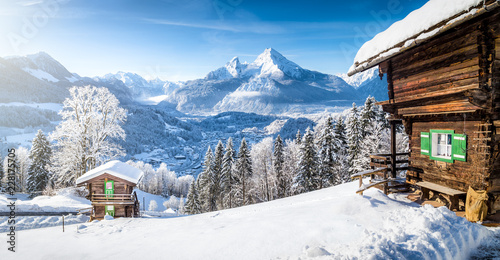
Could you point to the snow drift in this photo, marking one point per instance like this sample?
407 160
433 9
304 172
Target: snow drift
325 224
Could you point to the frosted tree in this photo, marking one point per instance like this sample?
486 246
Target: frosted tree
181 208
87 134
367 116
243 173
22 164
227 173
307 178
193 204
262 166
298 137
291 167
278 164
326 156
354 137
1 174
152 205
204 182
38 173
340 149
217 177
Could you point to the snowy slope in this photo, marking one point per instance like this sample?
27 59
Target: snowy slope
325 224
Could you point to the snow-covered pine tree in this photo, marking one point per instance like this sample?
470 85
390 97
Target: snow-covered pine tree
372 144
243 172
291 167
368 114
193 204
38 173
279 160
340 133
340 148
307 178
227 173
87 134
204 182
354 137
326 156
298 137
216 179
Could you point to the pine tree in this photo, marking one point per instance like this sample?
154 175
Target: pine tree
193 204
298 137
340 142
227 174
38 173
371 144
368 114
279 159
326 156
204 182
353 136
216 179
307 178
242 174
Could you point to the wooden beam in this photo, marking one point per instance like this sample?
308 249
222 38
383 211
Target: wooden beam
393 148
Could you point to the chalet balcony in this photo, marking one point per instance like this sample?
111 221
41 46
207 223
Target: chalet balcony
114 199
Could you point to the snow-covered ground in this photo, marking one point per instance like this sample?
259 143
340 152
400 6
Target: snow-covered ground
326 224
64 201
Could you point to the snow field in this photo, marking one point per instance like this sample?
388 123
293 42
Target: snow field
324 224
33 222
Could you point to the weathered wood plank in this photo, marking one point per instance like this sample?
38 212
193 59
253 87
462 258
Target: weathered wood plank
450 107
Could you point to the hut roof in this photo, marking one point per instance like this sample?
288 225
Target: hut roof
115 168
432 19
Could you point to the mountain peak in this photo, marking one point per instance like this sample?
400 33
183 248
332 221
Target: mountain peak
273 62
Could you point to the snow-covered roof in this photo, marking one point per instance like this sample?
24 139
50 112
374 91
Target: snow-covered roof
432 19
115 168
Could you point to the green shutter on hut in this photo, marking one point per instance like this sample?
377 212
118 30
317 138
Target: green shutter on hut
424 143
459 147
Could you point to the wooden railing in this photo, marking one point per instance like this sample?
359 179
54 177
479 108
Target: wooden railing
113 197
385 161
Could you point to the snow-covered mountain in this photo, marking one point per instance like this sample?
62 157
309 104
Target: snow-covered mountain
368 83
270 84
139 86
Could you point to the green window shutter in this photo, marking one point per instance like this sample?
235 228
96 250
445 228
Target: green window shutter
459 147
424 143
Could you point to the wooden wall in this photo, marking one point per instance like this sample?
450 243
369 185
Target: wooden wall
121 186
458 175
451 73
120 211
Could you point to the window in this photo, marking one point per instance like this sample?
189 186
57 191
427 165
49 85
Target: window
443 145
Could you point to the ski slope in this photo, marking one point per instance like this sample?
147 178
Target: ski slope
325 224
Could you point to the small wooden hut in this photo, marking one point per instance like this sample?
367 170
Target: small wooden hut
111 188
443 74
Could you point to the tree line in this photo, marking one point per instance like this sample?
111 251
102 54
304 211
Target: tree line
275 168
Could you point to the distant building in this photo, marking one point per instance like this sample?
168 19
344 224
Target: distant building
111 188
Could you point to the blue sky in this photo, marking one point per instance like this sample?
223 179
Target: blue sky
181 40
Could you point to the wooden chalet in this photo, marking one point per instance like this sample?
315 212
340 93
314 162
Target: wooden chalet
110 189
444 86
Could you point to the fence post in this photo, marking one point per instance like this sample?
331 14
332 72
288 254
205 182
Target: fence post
63 222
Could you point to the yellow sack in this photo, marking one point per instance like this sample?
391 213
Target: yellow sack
475 205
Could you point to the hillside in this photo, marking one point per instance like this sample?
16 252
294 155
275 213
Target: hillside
325 224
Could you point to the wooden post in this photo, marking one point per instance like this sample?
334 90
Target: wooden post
63 222
393 148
